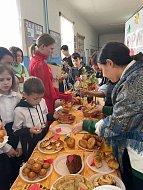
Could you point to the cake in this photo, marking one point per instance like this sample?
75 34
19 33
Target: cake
74 163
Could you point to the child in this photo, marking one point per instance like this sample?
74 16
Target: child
8 101
39 68
77 70
31 116
20 71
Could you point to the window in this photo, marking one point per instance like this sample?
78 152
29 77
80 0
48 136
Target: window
10 29
67 33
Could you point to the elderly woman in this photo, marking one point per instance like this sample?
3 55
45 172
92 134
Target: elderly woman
124 128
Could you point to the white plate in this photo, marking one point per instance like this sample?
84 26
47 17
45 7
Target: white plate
107 187
89 150
60 165
25 178
104 169
44 152
65 129
67 180
119 182
4 142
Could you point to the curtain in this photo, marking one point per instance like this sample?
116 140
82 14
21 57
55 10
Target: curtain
67 33
10 24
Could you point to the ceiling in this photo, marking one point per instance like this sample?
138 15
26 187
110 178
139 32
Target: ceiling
106 16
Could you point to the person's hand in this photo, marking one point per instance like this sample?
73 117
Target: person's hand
56 114
35 130
77 127
98 109
11 153
83 92
19 152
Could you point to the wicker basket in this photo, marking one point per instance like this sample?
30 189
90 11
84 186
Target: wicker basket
87 112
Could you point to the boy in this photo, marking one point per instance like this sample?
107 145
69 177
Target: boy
78 69
31 116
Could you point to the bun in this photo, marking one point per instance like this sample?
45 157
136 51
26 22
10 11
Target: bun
113 164
31 176
2 133
97 161
108 157
46 165
91 143
83 143
70 142
1 139
42 173
86 136
36 167
25 171
30 162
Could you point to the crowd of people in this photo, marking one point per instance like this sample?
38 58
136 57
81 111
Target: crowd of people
27 104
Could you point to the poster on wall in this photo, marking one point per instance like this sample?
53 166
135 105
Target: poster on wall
57 38
32 31
134 33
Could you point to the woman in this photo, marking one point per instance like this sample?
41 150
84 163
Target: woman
39 68
123 129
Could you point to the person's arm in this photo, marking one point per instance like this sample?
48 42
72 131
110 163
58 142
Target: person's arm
107 110
18 127
89 126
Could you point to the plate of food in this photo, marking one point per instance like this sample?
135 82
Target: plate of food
34 171
90 142
99 180
66 118
72 182
50 145
98 162
68 164
37 186
62 129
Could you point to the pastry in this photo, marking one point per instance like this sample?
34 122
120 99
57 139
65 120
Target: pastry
86 136
42 173
108 157
83 143
46 165
30 162
31 176
91 143
97 161
70 142
25 171
36 167
113 164
2 133
40 161
1 139
105 179
74 163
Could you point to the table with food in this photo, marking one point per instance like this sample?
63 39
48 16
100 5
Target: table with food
64 161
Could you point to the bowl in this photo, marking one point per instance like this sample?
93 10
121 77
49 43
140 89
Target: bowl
107 187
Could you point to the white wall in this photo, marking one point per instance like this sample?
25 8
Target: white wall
80 26
32 10
104 38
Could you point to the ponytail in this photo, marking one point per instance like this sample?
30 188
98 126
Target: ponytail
32 50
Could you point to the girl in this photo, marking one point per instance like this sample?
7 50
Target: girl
20 71
8 101
123 129
39 68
